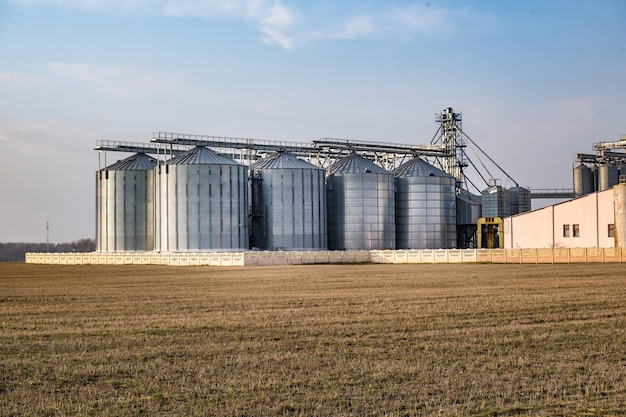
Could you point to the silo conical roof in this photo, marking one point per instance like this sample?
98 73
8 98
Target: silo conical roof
355 164
201 155
418 168
282 160
137 162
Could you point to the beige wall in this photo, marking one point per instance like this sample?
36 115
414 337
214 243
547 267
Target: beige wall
263 258
543 228
530 230
619 194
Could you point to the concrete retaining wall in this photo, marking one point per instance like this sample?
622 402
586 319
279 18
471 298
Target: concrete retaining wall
518 256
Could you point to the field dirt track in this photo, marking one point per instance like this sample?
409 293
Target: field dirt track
314 340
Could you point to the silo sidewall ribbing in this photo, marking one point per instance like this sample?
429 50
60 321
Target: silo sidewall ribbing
361 211
110 211
125 213
293 208
495 202
425 212
205 207
519 200
101 201
583 180
125 205
608 176
288 204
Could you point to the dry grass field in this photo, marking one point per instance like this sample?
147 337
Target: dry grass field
321 340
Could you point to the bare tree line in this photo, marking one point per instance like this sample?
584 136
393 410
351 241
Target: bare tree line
15 251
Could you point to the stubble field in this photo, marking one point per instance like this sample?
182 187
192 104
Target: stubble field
317 340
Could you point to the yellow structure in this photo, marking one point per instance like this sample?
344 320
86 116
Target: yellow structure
490 232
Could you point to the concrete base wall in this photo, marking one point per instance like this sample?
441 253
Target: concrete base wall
262 258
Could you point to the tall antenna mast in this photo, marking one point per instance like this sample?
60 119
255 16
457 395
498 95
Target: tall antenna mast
47 236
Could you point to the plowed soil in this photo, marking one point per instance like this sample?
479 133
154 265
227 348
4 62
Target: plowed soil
316 340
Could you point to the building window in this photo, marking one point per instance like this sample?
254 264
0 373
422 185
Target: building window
566 230
575 230
611 230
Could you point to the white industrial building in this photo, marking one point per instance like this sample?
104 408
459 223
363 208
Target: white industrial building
595 220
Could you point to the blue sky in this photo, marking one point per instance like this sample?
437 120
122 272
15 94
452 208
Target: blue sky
536 81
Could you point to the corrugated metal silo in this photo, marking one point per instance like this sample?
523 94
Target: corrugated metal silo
425 207
125 205
583 180
468 212
288 204
361 205
495 202
519 200
202 203
608 176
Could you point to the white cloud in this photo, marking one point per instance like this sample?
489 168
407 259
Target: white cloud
284 26
24 80
423 18
414 19
115 79
114 6
270 17
357 27
273 21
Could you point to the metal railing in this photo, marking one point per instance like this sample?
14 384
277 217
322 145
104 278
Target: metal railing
552 193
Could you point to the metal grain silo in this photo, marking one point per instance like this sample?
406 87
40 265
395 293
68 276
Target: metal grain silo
519 200
125 205
608 176
288 204
583 180
468 212
495 202
202 203
425 207
361 205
